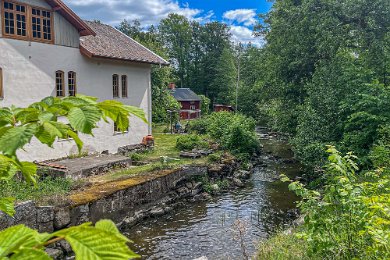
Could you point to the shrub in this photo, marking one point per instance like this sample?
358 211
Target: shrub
198 126
349 218
234 132
189 142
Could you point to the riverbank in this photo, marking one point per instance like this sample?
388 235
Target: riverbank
212 228
146 187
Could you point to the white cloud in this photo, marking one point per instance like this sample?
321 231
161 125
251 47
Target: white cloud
241 16
148 12
245 35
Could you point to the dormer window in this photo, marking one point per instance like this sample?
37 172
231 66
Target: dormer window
21 21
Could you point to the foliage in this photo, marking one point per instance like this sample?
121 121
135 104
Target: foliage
87 241
233 132
161 75
198 126
162 104
283 245
350 217
323 75
222 87
205 105
208 184
41 120
189 142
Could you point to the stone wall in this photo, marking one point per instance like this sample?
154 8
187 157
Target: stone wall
125 207
118 206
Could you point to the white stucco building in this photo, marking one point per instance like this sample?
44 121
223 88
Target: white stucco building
47 50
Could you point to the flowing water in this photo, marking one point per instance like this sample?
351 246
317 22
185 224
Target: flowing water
216 228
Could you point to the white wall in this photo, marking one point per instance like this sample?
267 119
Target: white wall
29 75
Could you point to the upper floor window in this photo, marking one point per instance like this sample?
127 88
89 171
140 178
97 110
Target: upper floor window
115 85
72 87
25 22
60 86
41 24
124 86
14 19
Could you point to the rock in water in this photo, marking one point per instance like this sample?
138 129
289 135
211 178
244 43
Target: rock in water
238 182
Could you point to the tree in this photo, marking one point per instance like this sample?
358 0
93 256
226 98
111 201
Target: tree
319 57
222 87
205 105
175 33
40 120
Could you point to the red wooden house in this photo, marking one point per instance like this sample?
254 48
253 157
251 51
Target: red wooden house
190 102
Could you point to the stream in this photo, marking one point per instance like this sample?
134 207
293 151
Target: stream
216 228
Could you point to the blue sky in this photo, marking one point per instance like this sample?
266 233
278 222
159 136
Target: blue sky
239 14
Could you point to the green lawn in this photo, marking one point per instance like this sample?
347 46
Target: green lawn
165 145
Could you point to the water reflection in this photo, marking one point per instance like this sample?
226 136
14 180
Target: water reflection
206 228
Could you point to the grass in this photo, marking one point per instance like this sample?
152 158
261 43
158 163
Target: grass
283 246
56 189
165 145
47 187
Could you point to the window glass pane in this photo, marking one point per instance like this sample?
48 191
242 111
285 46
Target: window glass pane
115 85
41 24
124 86
60 84
72 83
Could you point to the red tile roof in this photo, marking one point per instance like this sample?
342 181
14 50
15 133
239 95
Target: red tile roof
112 44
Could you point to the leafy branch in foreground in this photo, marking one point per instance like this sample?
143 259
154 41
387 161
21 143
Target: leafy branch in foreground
350 217
102 241
48 120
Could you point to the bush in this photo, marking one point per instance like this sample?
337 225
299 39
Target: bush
349 218
189 142
234 132
198 126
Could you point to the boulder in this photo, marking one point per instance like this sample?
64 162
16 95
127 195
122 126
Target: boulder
238 182
61 218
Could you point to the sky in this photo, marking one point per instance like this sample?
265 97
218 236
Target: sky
240 15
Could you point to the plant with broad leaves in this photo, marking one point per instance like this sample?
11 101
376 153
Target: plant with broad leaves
41 120
102 241
349 218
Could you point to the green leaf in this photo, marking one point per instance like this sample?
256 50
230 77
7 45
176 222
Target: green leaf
14 238
7 206
15 138
96 243
46 116
138 112
6 117
29 171
109 226
27 115
84 119
30 253
7 168
76 139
